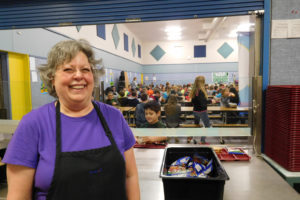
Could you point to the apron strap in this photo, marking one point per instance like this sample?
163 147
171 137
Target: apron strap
104 124
58 129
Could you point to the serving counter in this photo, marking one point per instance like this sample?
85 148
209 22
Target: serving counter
249 180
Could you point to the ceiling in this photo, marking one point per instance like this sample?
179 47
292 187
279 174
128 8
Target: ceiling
192 29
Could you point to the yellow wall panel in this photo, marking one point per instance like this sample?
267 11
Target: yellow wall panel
19 81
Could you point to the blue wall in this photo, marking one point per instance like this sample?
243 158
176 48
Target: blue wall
183 78
194 67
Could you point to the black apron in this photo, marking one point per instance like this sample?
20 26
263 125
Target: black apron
96 174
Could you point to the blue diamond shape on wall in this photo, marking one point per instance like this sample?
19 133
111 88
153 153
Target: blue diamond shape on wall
115 35
225 50
78 28
133 47
157 52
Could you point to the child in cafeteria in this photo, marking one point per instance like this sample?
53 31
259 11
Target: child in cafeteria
123 101
133 100
225 99
172 111
110 99
200 101
140 111
152 114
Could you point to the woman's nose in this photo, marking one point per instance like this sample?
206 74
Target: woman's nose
78 73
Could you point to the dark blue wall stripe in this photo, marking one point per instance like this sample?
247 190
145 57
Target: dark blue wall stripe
125 42
101 31
139 51
45 13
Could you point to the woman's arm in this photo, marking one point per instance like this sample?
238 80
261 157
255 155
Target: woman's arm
132 181
20 182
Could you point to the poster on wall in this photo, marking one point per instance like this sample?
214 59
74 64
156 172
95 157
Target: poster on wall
220 77
43 89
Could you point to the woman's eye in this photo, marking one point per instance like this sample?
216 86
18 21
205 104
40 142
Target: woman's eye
67 69
86 69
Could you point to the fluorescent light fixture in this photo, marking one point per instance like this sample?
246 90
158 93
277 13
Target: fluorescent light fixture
173 29
173 32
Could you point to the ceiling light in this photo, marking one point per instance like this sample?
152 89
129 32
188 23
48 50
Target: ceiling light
172 29
174 34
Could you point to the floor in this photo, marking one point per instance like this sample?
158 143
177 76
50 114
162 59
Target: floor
253 180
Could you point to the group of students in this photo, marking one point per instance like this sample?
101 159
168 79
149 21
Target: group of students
148 102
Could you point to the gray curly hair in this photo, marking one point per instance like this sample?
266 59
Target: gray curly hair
64 52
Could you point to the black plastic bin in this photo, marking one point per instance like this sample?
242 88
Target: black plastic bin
186 188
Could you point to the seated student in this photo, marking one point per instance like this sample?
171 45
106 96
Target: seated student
123 101
232 117
140 112
236 97
157 97
128 91
132 100
152 114
108 89
225 99
172 112
110 99
114 91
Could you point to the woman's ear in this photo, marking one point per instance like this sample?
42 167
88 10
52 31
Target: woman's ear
52 81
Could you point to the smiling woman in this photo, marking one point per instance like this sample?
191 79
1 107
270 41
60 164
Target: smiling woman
74 83
73 142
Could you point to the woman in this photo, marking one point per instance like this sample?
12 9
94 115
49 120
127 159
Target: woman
200 101
72 148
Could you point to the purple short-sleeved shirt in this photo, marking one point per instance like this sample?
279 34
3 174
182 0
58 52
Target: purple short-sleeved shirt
34 141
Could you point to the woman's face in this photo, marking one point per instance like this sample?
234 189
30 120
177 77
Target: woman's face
74 81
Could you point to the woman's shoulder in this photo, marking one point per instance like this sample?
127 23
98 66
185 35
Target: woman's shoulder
40 112
37 119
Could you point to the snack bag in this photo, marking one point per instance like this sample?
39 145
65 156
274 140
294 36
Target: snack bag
182 161
200 159
208 168
177 171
